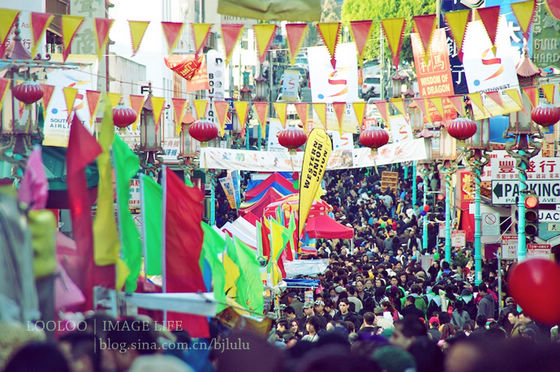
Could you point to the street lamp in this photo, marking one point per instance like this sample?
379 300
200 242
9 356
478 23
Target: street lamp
261 94
400 81
149 151
246 93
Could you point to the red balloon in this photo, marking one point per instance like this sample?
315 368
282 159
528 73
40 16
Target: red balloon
427 208
535 285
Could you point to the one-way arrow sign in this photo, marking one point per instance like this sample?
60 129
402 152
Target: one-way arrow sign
498 190
507 191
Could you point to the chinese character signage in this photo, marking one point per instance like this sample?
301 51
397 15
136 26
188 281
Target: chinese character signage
539 168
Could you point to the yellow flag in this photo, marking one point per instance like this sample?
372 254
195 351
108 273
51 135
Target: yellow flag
524 12
263 35
393 29
476 98
330 33
114 98
457 22
399 105
201 31
7 19
281 109
232 273
69 98
277 242
315 159
122 273
321 111
242 109
70 25
548 91
4 85
513 93
137 31
200 106
157 106
359 110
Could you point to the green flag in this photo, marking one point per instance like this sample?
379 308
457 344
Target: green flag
127 164
250 287
151 199
213 246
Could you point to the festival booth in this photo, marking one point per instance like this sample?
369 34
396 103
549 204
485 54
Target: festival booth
256 189
257 206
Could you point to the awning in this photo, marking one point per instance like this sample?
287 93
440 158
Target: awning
324 227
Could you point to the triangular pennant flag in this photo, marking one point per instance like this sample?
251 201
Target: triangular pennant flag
524 11
39 24
553 8
457 102
136 103
47 95
513 93
261 109
7 20
421 103
548 91
394 29
457 23
263 35
179 105
330 33
383 110
303 113
295 33
361 32
70 25
137 31
171 30
101 31
157 106
242 110
438 104
201 32
221 108
93 97
114 98
490 17
4 85
321 111
425 26
359 110
69 97
200 106
339 109
231 33
533 94
399 105
476 98
496 97
281 109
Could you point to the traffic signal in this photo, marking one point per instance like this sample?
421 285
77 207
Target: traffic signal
532 215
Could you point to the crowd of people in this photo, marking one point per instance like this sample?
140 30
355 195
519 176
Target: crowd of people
379 306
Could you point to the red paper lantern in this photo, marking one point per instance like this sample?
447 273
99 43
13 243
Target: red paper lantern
545 115
292 138
123 116
461 128
374 138
28 92
203 130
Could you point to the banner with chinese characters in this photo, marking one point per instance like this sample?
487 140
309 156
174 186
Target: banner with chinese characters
539 168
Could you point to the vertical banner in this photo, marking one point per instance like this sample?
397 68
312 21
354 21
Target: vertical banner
227 185
457 69
236 178
215 65
317 153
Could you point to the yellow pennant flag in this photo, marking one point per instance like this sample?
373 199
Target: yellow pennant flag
200 31
242 109
524 11
513 93
114 98
70 25
200 106
330 33
315 159
321 111
4 85
263 35
136 103
359 110
179 105
339 110
399 105
232 274
157 106
548 91
281 109
137 31
394 29
438 104
122 272
457 22
70 97
7 20
221 108
476 98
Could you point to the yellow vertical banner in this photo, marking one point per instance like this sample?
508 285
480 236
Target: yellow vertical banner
200 106
321 111
315 159
281 109
263 35
242 110
221 109
359 110
179 105
70 97
157 106
137 31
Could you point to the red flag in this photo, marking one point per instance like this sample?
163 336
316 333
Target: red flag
490 17
265 239
82 150
183 246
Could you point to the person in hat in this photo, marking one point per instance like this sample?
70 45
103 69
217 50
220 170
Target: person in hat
320 313
308 312
294 302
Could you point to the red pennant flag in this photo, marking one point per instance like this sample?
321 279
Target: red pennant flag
490 17
47 95
496 97
553 7
294 35
421 103
231 34
261 109
533 94
102 27
93 97
425 26
39 24
265 232
457 102
339 110
382 108
82 150
171 30
183 211
361 31
200 33
302 110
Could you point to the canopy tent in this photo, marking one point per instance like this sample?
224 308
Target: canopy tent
244 230
275 180
324 227
290 203
257 207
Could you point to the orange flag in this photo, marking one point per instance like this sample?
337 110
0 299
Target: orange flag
425 25
70 26
339 110
137 31
171 30
321 111
261 109
221 108
179 105
38 25
303 112
263 35
47 95
70 97
361 32
281 109
393 28
533 94
457 102
93 97
201 32
101 31
330 33
457 23
136 103
496 97
4 85
295 33
7 20
231 33
157 106
382 107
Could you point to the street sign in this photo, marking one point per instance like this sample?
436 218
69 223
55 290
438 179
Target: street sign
538 251
458 238
549 215
490 224
509 247
506 191
389 179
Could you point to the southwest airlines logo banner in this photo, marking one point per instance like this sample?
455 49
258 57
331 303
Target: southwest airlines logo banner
334 85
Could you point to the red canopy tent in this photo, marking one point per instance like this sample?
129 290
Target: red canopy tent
274 178
257 208
324 227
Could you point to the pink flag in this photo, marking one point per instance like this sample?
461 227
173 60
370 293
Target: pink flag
34 188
